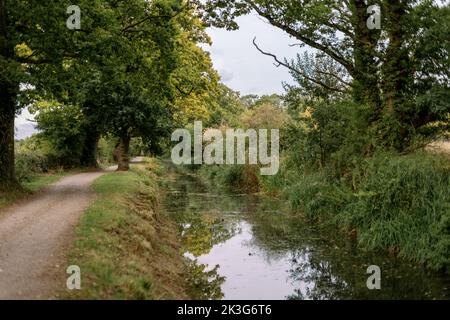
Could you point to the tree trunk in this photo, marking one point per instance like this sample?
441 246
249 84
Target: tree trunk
397 76
122 150
89 154
7 115
8 92
366 85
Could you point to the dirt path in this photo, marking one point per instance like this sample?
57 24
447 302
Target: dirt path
36 234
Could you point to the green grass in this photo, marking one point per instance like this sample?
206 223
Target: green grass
126 248
403 204
39 182
32 185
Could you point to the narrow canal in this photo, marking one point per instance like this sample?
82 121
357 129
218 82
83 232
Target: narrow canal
251 247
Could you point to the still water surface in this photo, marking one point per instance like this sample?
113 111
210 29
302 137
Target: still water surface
250 247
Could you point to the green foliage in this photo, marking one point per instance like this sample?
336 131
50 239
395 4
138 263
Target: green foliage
63 127
395 203
237 178
403 203
95 81
264 116
105 150
400 73
138 147
35 155
262 113
335 174
30 164
316 196
320 133
226 108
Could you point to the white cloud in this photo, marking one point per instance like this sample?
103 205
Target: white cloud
25 125
233 53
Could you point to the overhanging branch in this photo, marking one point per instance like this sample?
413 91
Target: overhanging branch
348 65
302 74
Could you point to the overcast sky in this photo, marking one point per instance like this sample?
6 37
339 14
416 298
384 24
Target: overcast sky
240 65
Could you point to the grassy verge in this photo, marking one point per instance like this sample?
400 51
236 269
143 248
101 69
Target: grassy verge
36 183
31 185
126 248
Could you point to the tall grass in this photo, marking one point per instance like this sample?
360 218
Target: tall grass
399 204
403 204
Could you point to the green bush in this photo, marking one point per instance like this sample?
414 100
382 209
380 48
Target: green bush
29 164
333 172
317 196
64 128
398 203
326 133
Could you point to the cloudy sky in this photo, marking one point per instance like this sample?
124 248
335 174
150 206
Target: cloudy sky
240 65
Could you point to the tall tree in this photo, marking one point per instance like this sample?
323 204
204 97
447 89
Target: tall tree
31 32
384 67
122 45
9 87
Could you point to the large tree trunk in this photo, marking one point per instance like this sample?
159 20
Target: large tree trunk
8 92
89 154
122 150
366 83
396 71
7 115
397 76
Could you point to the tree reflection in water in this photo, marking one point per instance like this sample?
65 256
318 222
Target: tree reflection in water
326 265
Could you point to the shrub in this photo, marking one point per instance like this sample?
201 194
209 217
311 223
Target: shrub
105 150
29 164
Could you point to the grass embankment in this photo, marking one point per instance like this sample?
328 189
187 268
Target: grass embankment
29 187
126 248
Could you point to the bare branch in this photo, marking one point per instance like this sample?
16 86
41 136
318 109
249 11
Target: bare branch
286 65
334 55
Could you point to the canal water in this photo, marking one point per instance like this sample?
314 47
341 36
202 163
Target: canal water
251 247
